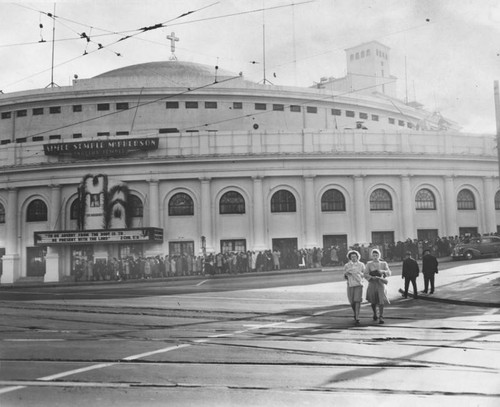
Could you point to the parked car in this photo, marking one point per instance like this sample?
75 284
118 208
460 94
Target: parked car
472 247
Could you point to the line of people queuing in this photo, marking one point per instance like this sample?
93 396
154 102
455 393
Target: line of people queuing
185 264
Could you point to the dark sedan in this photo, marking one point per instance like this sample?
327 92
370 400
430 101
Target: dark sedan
473 247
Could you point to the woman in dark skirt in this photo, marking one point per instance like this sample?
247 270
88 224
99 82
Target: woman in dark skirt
376 273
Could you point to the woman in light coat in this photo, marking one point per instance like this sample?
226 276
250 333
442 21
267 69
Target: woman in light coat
354 274
376 273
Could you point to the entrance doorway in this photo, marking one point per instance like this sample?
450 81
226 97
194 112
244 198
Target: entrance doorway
80 256
467 231
337 255
2 253
35 261
287 248
429 235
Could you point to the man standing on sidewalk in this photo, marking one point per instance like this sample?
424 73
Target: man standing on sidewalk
410 273
429 268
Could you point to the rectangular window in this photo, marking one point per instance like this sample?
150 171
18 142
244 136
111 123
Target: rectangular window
312 109
4 142
233 246
363 115
38 138
172 105
180 248
168 130
21 140
260 106
401 122
391 120
375 117
122 106
55 109
55 137
410 125
77 108
192 131
37 111
279 108
6 115
21 113
103 134
191 105
102 106
122 133
349 113
77 135
381 238
237 105
336 112
210 105
295 108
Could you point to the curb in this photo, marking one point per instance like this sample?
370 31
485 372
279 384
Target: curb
455 302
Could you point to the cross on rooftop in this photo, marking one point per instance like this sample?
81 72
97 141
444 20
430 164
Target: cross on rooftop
172 39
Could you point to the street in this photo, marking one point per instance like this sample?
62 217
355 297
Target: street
277 340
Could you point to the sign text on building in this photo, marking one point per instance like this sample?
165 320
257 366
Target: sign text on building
139 235
102 148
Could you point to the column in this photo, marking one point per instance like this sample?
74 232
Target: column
52 257
310 211
154 204
206 214
11 266
450 207
489 218
359 211
407 223
258 215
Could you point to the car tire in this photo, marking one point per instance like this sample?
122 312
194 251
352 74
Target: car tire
468 255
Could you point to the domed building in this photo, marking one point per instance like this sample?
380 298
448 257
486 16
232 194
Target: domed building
175 157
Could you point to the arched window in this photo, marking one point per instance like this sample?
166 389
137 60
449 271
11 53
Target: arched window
180 204
380 200
333 201
2 214
74 210
136 207
425 200
283 201
37 211
465 200
497 200
231 202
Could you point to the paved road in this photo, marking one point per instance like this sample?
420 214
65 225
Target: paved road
286 340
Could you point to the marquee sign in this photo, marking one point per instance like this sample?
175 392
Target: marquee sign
66 237
102 148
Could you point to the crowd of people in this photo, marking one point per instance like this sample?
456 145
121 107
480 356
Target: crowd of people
185 264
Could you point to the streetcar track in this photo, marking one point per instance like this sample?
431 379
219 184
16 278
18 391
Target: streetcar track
190 386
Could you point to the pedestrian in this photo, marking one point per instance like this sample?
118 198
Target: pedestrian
354 274
429 268
376 272
410 274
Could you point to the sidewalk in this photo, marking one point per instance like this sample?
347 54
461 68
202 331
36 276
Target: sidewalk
464 283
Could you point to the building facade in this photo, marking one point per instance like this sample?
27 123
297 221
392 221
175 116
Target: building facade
217 163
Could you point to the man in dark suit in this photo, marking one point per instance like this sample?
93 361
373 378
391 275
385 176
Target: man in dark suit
410 274
429 268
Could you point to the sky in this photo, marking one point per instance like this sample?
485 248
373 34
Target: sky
445 53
